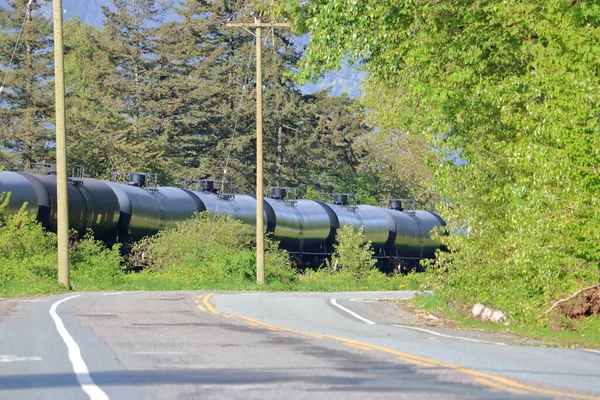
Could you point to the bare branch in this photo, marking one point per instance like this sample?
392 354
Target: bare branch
577 293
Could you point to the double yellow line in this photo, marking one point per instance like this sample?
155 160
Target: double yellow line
206 304
493 381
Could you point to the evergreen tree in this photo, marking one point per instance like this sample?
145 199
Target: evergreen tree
27 97
95 124
200 86
212 77
130 77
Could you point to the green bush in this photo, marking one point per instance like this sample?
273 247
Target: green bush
93 265
209 251
27 255
352 256
22 236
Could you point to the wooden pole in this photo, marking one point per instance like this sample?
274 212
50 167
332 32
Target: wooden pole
260 223
61 149
260 227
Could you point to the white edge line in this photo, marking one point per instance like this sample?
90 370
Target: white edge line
591 351
79 367
448 336
117 293
355 315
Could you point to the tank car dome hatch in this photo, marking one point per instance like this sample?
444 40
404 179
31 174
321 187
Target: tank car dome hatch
278 193
207 186
395 205
340 199
138 180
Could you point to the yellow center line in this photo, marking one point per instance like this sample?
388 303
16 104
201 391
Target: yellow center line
358 347
201 307
494 381
208 305
278 328
493 384
411 361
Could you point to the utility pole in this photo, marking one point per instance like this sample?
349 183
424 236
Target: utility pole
260 224
61 149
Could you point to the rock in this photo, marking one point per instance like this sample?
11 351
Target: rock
483 313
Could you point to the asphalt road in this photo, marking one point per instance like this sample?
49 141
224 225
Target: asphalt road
196 345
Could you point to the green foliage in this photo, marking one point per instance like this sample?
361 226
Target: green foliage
511 88
21 236
352 256
327 280
93 265
210 251
27 255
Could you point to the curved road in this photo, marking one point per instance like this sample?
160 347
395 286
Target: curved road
191 345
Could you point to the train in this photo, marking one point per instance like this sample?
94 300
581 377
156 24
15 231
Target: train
127 212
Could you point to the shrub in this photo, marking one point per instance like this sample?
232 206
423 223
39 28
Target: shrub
27 255
211 251
352 255
95 264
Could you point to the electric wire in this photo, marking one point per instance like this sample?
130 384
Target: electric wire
235 126
27 14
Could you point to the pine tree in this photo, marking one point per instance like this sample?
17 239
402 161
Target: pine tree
94 122
130 78
27 97
197 91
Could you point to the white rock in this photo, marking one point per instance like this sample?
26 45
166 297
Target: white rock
484 313
476 310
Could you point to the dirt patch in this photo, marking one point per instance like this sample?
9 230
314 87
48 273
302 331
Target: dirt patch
582 306
427 318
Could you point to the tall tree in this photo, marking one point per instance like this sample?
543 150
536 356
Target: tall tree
26 107
209 82
95 124
513 89
128 60
204 68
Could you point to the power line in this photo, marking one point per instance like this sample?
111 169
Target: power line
27 14
345 77
235 125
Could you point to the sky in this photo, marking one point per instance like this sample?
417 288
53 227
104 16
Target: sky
346 80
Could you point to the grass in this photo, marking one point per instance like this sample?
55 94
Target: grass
580 334
309 281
